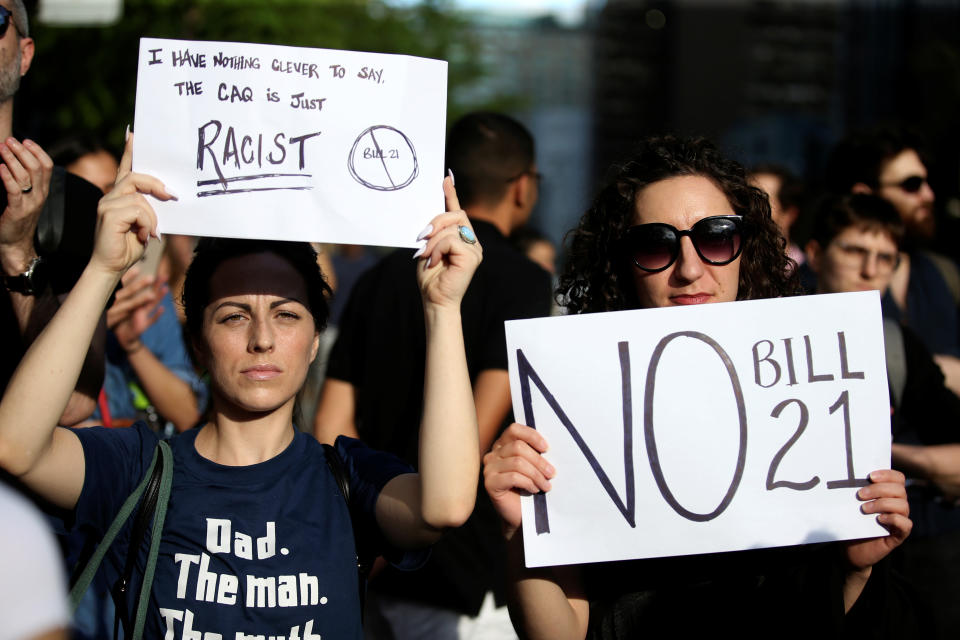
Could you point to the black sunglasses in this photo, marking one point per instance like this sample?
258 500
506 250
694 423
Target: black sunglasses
6 19
913 184
654 247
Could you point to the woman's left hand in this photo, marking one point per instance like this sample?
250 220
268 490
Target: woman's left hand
448 260
885 496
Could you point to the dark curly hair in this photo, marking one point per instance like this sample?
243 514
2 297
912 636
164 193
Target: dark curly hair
212 252
598 278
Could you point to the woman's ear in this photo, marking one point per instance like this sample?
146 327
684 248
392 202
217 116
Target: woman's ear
315 348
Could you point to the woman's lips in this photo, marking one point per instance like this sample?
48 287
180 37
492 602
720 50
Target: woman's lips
261 372
691 298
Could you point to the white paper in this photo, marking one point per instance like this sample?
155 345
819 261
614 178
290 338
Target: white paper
594 365
289 143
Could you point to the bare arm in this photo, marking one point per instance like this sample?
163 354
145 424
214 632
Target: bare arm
335 411
491 394
136 309
939 464
413 509
546 602
25 165
48 459
950 366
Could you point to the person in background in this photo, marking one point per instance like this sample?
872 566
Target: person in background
856 247
924 292
149 374
47 221
536 246
376 368
785 192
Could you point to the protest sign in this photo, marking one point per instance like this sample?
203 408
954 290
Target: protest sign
702 429
289 143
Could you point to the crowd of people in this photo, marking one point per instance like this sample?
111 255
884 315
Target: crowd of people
125 351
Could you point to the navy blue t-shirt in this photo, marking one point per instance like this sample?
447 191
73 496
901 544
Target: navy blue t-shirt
262 550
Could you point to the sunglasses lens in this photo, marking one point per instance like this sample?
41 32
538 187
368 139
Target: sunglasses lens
717 239
652 246
912 184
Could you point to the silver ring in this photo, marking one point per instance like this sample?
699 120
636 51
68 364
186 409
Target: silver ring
466 234
27 189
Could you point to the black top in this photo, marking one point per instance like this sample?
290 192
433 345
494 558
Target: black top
64 240
380 351
787 592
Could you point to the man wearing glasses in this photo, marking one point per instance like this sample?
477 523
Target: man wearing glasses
924 291
855 247
47 219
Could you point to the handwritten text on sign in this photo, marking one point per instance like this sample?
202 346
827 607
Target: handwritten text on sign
702 429
289 143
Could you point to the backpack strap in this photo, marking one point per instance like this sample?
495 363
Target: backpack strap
364 559
896 356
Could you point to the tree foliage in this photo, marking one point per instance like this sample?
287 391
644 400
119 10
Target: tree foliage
83 80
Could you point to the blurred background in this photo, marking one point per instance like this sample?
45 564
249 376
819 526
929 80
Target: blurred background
770 80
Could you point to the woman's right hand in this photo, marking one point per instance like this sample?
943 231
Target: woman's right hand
125 219
513 467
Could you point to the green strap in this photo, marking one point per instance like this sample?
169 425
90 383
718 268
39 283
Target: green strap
166 482
83 582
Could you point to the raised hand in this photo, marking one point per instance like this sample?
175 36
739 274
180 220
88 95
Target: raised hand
448 260
136 307
125 218
25 174
514 466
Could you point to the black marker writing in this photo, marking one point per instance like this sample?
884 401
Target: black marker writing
186 59
153 57
237 63
222 149
234 94
648 433
627 507
297 101
188 88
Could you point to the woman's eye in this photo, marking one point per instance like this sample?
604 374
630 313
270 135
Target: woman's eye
233 317
291 315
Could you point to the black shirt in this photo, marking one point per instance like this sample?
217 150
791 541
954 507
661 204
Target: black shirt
380 351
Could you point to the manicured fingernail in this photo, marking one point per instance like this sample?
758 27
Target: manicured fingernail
452 179
126 134
419 252
429 260
427 230
171 194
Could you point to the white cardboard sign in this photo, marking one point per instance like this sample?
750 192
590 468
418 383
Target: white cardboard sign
288 143
701 429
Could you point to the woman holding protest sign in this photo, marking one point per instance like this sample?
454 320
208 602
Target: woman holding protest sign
679 225
257 541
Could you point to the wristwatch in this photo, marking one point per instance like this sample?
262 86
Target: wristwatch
29 283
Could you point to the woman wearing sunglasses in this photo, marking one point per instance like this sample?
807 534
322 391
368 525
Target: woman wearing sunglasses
679 225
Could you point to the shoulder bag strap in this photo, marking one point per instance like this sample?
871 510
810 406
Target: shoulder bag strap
364 561
86 576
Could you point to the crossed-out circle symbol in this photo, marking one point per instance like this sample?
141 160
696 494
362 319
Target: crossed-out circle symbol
383 158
